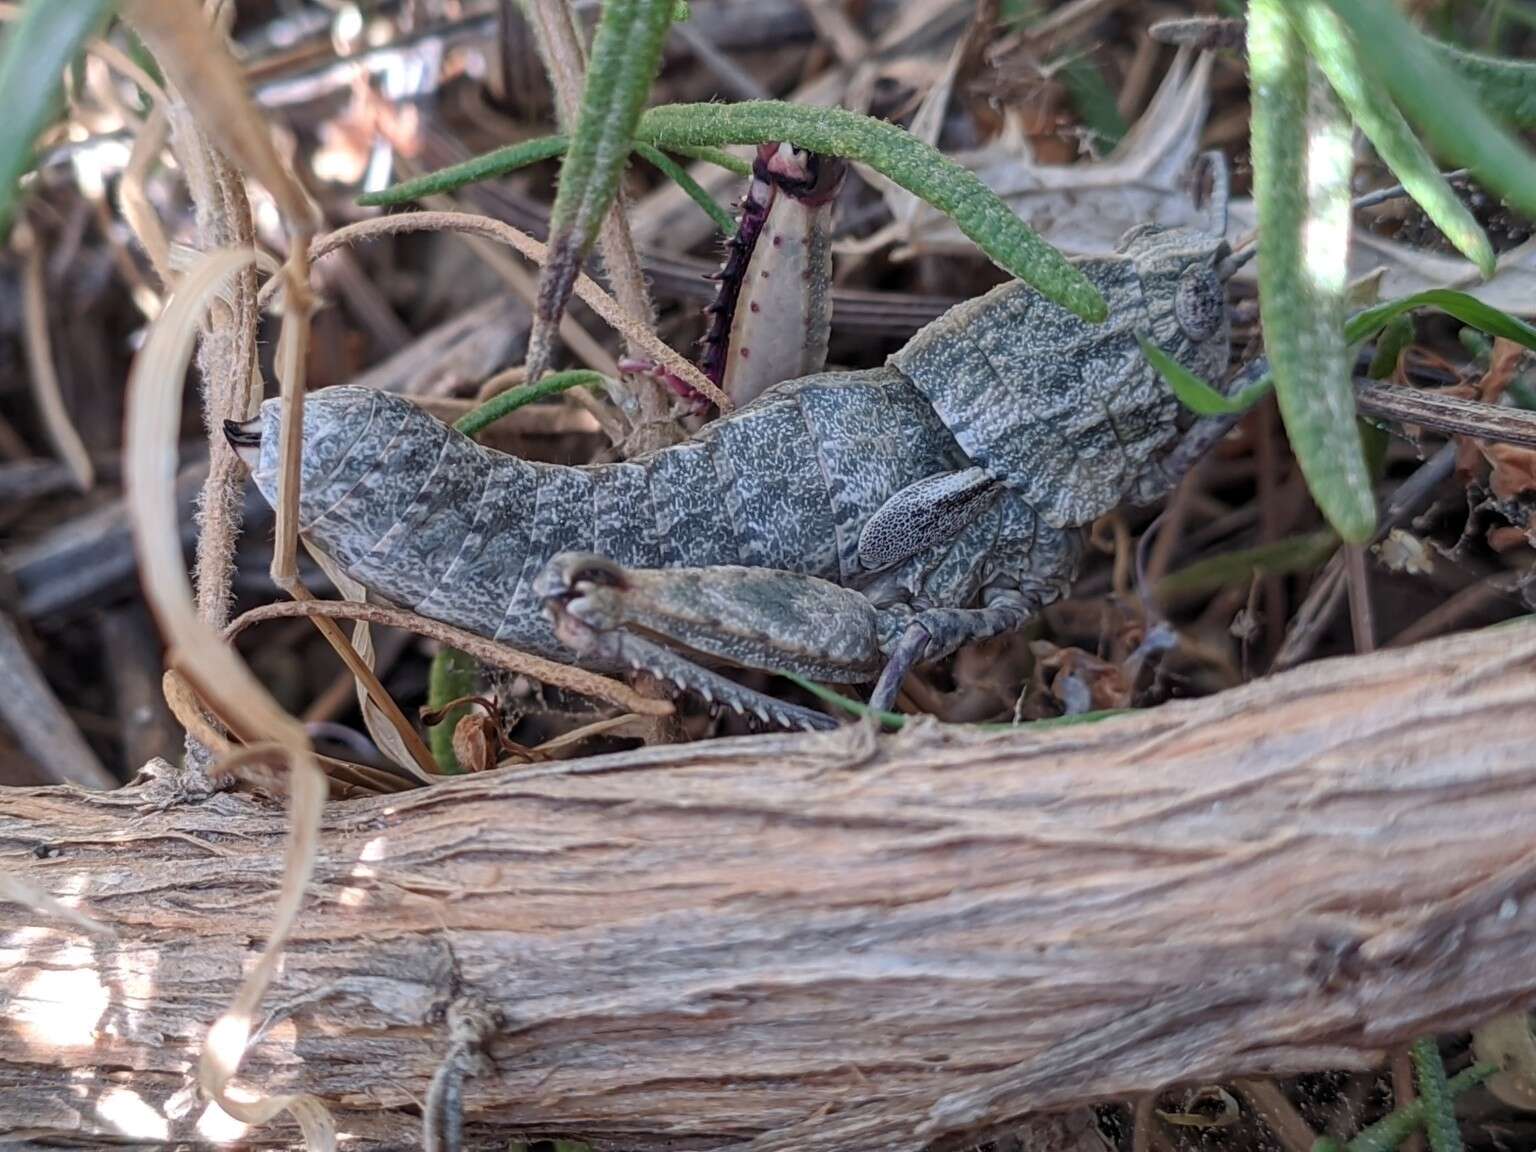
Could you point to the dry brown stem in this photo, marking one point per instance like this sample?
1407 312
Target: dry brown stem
638 336
820 942
487 651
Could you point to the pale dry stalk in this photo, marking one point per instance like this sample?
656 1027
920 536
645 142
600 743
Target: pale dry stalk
829 943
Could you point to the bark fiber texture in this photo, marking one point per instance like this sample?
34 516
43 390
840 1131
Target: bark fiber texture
824 943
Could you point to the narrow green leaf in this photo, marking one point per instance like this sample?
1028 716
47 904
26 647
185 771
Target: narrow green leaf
1364 95
488 166
1467 309
453 675
475 421
1092 99
1277 558
1440 102
1194 393
675 172
38 46
1301 168
1394 341
894 152
1507 88
1439 1109
626 54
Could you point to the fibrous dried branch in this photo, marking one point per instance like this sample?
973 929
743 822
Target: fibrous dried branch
826 941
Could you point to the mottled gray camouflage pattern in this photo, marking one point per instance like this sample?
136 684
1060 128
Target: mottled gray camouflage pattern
816 525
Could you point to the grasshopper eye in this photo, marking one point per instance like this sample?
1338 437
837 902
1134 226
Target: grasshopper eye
1200 303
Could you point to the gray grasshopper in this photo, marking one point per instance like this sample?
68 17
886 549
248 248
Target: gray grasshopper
844 526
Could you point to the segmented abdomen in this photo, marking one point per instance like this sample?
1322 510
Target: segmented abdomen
430 520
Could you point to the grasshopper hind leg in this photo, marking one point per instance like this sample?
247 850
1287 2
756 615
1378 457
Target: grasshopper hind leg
669 621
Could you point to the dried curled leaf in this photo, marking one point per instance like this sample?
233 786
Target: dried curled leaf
1508 1043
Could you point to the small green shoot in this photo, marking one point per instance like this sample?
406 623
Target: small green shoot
475 421
488 166
1506 88
898 720
1278 558
679 175
1439 1109
1194 393
453 676
626 54
1388 1133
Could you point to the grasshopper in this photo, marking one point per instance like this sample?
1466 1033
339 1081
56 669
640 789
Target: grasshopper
843 526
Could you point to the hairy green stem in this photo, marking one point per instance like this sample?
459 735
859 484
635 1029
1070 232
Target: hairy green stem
1507 88
901 157
1434 1091
1390 1131
488 166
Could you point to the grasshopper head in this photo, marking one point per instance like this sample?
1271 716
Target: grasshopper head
1183 280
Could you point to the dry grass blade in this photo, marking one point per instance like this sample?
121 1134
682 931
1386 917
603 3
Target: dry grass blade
40 722
396 737
185 45
154 408
34 899
637 334
486 651
292 353
41 372
133 203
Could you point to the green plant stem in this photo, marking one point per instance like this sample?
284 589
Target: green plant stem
453 675
477 419
1434 1091
894 152
1277 558
1092 99
1365 96
488 166
719 157
1390 1131
679 175
897 720
1301 166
